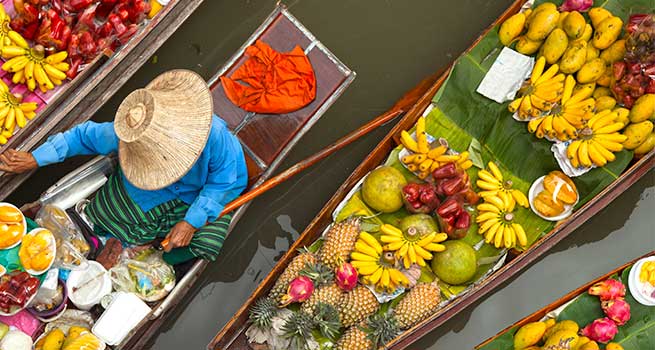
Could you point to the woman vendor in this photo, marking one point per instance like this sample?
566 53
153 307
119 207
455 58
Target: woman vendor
179 166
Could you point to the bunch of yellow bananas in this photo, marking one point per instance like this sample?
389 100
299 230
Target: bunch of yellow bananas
4 27
376 266
30 66
598 141
424 160
492 182
13 112
496 222
540 92
565 118
411 247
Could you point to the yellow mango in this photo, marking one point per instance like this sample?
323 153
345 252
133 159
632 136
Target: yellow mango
597 15
550 322
592 345
527 46
54 340
643 109
615 52
602 91
592 52
606 79
581 341
562 17
645 147
545 6
574 57
528 335
622 115
511 28
574 25
586 35
562 336
605 102
637 134
555 45
561 326
541 24
607 32
613 346
591 71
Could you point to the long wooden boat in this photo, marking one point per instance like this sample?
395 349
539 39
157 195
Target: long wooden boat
266 139
80 98
541 314
232 335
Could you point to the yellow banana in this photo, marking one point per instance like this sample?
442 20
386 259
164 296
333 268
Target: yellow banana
371 241
422 252
610 128
548 74
604 152
408 141
363 257
488 207
53 72
487 225
507 236
498 237
20 117
366 269
391 230
12 51
18 77
15 64
29 70
488 177
10 120
435 247
520 198
569 84
56 58
538 69
583 154
595 156
495 171
42 78
437 151
520 234
486 216
18 39
362 247
375 277
394 245
607 144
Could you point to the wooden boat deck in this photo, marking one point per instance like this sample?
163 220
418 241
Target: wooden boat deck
84 95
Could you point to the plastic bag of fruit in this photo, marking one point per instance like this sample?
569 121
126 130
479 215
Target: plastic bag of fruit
143 272
72 248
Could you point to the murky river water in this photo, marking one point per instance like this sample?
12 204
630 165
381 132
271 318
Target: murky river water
391 44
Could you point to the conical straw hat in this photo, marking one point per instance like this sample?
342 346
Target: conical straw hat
163 129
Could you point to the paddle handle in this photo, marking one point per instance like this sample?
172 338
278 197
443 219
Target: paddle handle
306 163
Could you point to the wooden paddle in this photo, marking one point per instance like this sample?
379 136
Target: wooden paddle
399 108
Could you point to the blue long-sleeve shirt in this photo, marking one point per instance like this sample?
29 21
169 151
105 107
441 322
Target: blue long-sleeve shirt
217 177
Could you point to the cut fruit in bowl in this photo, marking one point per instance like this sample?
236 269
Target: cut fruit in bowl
13 226
546 204
38 250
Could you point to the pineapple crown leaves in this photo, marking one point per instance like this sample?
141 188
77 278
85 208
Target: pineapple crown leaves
326 318
319 273
298 328
262 313
380 329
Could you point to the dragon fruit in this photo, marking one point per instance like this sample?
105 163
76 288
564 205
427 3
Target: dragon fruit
576 5
618 310
608 289
346 277
300 289
601 330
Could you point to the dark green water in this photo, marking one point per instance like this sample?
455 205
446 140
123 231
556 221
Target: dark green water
391 45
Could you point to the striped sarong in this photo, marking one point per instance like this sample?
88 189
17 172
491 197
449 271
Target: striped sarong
112 211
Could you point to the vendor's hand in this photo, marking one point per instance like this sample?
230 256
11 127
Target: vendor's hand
17 162
180 236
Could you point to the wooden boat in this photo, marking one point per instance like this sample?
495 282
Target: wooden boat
232 335
79 99
540 314
266 139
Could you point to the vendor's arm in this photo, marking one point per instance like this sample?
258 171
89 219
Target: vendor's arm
85 139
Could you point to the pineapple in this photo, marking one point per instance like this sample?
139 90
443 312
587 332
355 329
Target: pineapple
262 313
326 318
357 305
298 328
377 331
339 242
319 274
355 338
329 294
292 271
419 303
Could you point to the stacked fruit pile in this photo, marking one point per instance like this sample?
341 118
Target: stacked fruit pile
583 68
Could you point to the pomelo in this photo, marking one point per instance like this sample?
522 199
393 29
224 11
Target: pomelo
423 223
382 189
457 264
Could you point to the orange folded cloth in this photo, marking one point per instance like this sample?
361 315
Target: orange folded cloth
277 82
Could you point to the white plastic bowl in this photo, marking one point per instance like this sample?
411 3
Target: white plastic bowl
91 293
54 255
535 189
637 287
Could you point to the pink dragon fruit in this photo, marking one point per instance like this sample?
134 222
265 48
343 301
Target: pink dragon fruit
300 289
608 289
601 330
576 5
618 310
346 277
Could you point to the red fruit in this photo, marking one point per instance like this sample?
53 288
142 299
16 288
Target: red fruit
618 310
445 171
651 87
411 191
452 185
619 70
300 289
628 101
78 5
449 208
346 277
602 330
608 289
463 221
117 23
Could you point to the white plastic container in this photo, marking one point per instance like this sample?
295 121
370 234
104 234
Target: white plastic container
123 313
91 285
643 292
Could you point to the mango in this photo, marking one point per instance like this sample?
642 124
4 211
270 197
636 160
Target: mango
586 35
592 52
511 28
10 214
605 102
528 335
527 46
607 32
591 71
592 345
574 57
613 346
562 17
555 45
574 25
567 192
545 205
622 115
646 146
541 24
545 6
597 15
563 325
602 91
643 109
581 341
550 322
606 79
564 336
54 340
637 134
615 52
